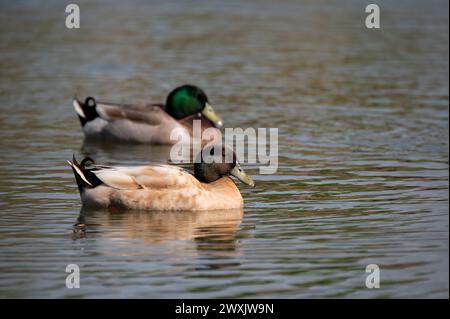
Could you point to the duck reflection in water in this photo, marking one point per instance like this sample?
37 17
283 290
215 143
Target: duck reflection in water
213 232
115 152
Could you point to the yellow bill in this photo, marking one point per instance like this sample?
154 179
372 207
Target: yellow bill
239 173
211 115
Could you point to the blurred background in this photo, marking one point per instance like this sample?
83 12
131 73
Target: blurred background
363 119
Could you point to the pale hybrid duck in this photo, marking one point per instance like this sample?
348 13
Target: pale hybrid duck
163 187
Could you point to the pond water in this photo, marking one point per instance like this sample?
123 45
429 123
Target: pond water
363 172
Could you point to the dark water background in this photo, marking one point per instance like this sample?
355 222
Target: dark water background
363 143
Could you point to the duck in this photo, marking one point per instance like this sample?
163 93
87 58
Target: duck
151 123
163 187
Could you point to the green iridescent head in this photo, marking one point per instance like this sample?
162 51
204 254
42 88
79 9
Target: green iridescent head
188 100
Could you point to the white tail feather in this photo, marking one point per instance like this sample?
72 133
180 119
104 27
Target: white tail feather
78 108
80 173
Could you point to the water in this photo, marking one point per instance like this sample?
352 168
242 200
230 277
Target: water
363 143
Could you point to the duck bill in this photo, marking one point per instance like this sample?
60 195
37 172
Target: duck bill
211 115
239 173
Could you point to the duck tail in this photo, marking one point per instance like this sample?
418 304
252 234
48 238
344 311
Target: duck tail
84 177
86 111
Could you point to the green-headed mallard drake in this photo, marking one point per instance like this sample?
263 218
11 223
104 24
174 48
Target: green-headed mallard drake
162 187
152 123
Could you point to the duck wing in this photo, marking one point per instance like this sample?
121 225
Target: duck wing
145 177
150 114
147 114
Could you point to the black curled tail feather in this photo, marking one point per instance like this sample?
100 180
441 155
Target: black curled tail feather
84 161
86 111
84 177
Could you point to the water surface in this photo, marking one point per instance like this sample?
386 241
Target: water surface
363 144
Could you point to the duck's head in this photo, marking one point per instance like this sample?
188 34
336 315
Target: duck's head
211 164
189 100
